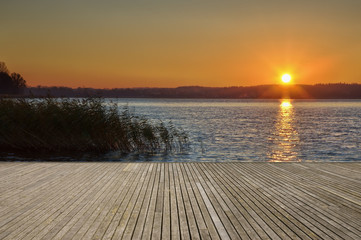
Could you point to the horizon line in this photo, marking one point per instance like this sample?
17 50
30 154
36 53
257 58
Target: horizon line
198 86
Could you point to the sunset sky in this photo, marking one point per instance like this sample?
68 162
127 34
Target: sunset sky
109 43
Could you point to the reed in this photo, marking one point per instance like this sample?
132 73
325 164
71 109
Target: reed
81 125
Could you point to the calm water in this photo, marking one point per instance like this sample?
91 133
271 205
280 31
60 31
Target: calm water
258 130
251 130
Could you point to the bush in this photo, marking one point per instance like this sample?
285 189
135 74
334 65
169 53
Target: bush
86 125
12 83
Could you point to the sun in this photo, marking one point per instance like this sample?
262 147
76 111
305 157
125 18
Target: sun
286 78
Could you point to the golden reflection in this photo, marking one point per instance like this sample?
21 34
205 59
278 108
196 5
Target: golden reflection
285 137
286 104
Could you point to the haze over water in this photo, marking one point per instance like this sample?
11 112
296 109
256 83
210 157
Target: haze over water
258 130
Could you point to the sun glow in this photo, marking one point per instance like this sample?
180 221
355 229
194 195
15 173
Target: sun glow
286 78
286 103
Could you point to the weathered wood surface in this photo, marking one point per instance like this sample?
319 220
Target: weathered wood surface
180 200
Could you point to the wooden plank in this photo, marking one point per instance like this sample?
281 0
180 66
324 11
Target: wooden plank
224 227
252 192
27 180
192 193
174 224
56 201
102 200
138 231
32 208
87 213
184 225
102 224
118 234
92 220
71 212
128 232
192 224
300 202
246 197
157 222
148 227
166 230
263 230
314 190
122 208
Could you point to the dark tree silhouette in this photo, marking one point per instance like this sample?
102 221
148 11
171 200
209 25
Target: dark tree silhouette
319 91
3 68
10 84
18 80
6 83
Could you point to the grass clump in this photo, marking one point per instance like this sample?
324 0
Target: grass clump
86 125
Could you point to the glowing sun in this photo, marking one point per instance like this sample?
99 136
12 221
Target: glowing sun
286 78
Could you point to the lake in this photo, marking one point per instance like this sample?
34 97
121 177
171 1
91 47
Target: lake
248 130
257 130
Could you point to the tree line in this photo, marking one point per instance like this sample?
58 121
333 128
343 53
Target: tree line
10 83
318 91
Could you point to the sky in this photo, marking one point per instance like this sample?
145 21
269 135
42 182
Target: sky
166 43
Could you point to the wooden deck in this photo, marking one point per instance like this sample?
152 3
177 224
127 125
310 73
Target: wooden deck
180 200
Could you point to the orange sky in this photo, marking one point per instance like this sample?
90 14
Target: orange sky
107 44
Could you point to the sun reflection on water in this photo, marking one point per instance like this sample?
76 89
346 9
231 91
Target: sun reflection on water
285 104
285 137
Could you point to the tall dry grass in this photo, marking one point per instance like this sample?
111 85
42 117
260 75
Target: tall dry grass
81 125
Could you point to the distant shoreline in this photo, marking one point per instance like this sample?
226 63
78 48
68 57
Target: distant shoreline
318 91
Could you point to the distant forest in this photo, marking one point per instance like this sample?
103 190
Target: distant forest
318 91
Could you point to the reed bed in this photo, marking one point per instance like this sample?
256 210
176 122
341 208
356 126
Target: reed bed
82 125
